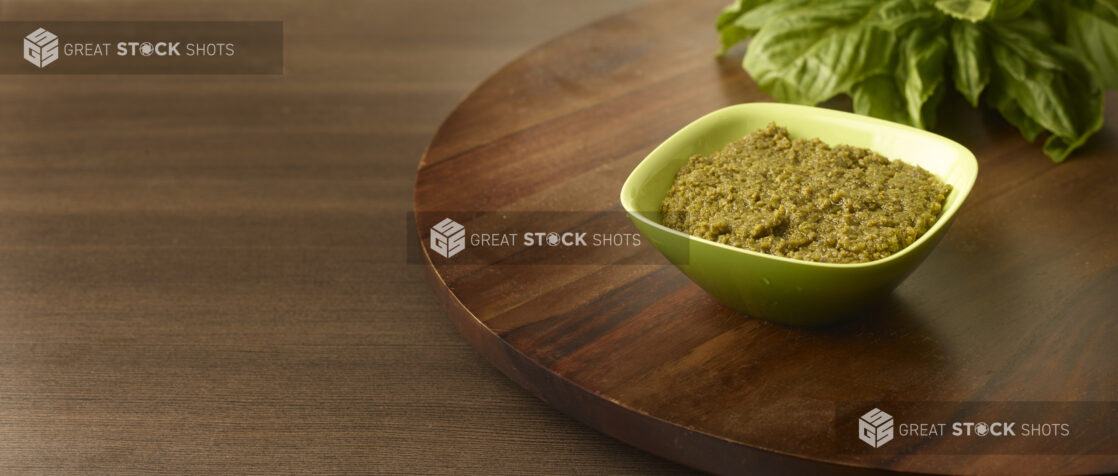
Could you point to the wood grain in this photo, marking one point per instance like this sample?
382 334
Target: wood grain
206 274
1016 304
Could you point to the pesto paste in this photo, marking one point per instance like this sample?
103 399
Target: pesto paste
803 199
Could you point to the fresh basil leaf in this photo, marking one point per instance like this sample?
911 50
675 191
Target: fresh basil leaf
920 73
912 92
756 18
811 53
1009 9
1042 63
728 33
744 18
1041 84
970 10
1092 31
878 96
1012 112
970 60
978 10
730 13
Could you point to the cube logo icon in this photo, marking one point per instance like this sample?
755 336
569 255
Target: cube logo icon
40 48
875 428
448 237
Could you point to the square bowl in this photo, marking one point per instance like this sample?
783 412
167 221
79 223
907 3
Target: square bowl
774 288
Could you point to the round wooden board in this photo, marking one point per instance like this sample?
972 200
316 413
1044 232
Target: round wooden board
1016 304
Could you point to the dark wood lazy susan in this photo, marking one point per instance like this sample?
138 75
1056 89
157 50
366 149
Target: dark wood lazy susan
1017 304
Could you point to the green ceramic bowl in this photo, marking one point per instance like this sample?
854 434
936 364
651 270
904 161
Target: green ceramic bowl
784 290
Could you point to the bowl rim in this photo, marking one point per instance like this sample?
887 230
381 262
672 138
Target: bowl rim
628 189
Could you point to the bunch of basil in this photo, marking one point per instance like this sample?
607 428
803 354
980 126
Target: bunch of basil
1044 64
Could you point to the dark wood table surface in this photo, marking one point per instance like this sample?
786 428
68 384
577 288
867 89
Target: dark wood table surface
207 274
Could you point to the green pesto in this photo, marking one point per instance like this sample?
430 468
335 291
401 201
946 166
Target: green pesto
803 199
